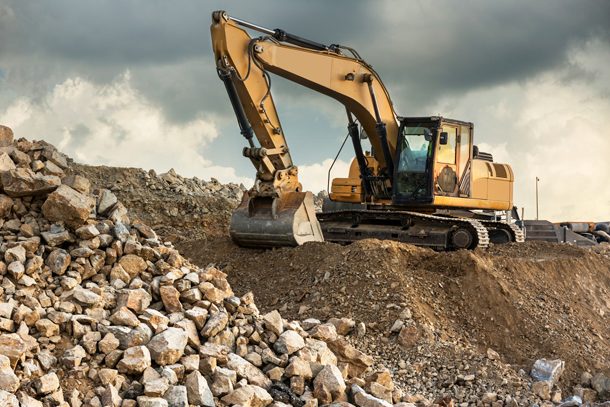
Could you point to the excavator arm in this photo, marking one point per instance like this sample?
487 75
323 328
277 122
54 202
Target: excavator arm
276 211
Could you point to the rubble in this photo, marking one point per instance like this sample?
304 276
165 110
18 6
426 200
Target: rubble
94 298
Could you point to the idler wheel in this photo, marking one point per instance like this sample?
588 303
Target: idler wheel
462 238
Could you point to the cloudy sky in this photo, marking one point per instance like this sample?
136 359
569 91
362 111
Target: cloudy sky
132 83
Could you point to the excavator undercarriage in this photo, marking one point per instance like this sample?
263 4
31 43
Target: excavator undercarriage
433 231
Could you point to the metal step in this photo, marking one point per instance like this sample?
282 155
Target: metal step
540 230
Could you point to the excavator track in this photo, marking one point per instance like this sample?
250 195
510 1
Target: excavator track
502 232
437 232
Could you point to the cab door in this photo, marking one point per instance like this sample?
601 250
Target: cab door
446 167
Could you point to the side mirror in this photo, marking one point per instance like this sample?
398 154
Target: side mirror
444 138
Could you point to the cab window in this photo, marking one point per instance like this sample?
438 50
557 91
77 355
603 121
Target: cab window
446 152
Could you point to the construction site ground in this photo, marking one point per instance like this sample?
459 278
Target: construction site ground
490 312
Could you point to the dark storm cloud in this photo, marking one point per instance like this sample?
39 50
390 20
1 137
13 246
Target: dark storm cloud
422 49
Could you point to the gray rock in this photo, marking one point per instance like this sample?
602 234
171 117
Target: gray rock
289 342
110 397
135 360
129 337
87 232
123 316
198 390
167 347
572 401
86 297
58 261
8 400
176 396
121 231
106 201
362 399
145 401
601 384
247 370
56 237
46 384
547 370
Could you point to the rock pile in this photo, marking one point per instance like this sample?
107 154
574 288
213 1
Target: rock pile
96 310
177 207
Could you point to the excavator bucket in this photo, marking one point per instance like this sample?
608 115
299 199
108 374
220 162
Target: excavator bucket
264 222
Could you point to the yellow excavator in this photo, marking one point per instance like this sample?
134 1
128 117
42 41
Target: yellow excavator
423 182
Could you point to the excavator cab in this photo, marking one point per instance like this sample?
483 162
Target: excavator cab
414 163
434 157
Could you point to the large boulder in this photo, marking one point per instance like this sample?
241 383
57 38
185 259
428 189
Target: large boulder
135 360
547 370
198 391
289 342
248 371
25 182
6 136
13 347
329 385
68 205
167 347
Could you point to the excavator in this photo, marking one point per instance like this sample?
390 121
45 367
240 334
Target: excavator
423 181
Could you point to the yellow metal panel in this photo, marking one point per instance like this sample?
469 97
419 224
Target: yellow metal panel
470 203
479 177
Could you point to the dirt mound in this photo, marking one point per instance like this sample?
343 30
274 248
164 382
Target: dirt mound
178 208
524 301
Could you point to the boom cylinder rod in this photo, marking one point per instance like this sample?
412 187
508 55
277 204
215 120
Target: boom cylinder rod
282 35
242 120
252 26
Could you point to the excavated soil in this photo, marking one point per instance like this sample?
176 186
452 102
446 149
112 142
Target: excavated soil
523 301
